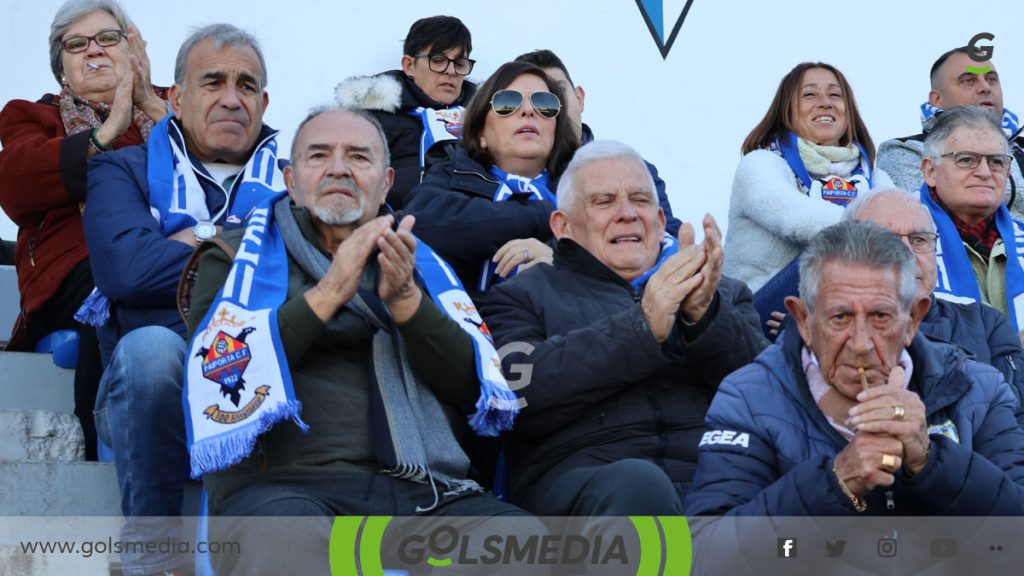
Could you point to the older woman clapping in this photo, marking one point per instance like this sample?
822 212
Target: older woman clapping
106 101
486 209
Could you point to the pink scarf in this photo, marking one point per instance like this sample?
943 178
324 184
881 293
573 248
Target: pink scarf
79 114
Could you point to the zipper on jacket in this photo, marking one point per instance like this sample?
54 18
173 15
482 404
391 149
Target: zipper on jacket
477 174
32 243
890 501
1013 378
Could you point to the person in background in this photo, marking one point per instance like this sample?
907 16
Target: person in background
957 80
422 103
106 102
806 159
573 100
485 210
965 165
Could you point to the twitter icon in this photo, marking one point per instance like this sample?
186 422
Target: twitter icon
833 550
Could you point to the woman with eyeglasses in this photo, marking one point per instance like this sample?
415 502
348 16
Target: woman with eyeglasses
485 209
106 101
808 158
421 104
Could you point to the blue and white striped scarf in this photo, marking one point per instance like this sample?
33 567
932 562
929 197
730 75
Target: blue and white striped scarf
1009 121
511 185
438 126
956 279
238 340
177 200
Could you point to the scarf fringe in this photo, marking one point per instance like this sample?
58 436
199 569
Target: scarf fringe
496 410
226 450
95 309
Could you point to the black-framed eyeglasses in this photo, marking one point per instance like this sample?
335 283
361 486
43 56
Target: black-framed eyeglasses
439 63
920 242
506 102
104 38
997 163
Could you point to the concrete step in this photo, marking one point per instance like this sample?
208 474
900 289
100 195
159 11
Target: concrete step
31 381
9 301
41 435
31 488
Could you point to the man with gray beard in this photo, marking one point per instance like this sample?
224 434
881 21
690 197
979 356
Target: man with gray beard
374 360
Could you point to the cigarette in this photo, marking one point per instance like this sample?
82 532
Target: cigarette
863 378
91 66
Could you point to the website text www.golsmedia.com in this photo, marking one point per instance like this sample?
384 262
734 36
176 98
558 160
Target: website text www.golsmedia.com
87 548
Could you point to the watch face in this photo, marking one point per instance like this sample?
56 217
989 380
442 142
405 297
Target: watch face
204 230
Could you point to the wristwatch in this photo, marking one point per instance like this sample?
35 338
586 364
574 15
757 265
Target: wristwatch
203 230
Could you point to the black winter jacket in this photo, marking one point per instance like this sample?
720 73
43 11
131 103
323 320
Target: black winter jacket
390 96
600 381
456 215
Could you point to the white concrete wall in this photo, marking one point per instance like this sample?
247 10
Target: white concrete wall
687 113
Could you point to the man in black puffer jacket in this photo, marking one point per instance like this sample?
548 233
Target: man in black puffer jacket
624 340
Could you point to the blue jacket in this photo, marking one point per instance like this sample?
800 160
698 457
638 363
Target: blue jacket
984 332
133 264
457 217
769 449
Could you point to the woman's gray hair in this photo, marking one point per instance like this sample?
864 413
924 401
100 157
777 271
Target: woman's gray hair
856 242
960 117
592 152
223 35
72 11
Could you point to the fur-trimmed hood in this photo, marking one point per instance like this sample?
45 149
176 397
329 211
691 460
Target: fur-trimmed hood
390 92
381 92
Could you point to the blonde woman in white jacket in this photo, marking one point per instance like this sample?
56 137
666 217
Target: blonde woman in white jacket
808 157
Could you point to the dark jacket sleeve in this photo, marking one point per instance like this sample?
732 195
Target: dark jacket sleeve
985 479
731 339
440 351
744 480
672 223
298 324
1007 355
465 228
40 168
571 371
131 259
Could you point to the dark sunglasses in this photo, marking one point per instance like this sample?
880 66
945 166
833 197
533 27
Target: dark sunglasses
506 102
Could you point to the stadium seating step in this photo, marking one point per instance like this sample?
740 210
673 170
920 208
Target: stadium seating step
39 488
30 381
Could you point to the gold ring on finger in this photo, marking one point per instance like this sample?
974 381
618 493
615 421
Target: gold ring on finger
898 413
888 460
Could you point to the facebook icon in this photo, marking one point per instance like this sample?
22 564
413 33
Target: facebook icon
787 548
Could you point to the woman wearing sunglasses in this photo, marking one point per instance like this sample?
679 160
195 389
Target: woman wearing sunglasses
421 104
485 209
808 158
106 101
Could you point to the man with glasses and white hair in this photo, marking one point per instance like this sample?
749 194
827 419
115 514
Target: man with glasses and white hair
853 412
203 169
625 338
965 165
978 328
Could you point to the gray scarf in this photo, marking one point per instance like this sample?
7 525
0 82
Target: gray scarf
410 431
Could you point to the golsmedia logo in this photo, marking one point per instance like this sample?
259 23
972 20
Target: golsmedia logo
641 545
